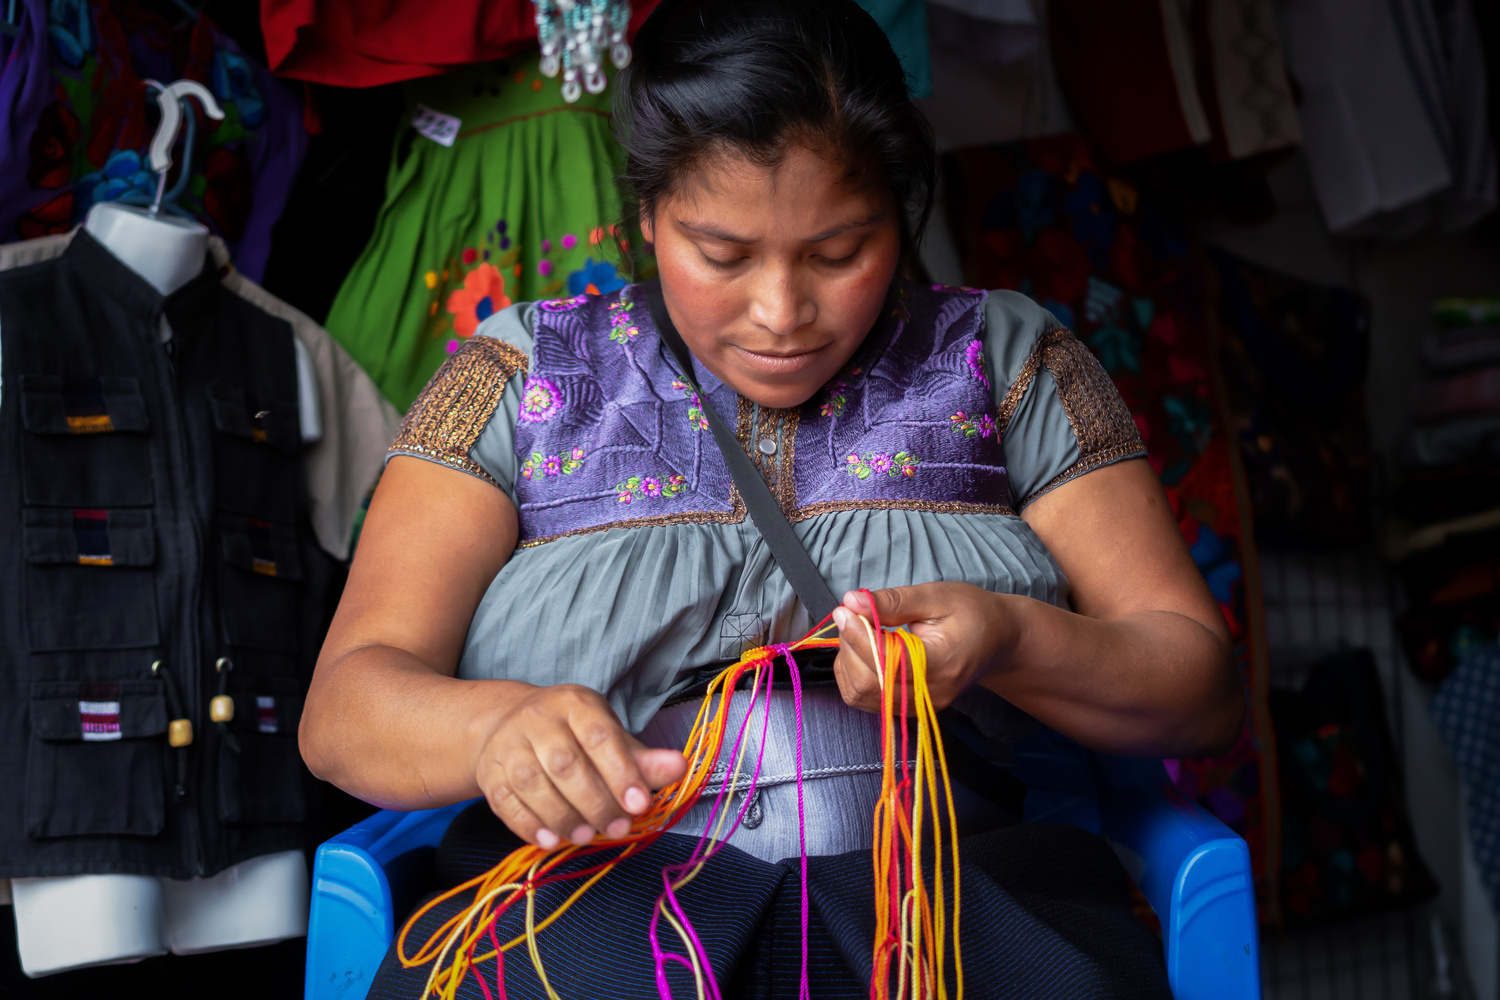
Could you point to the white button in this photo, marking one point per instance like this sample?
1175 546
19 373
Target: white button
767 446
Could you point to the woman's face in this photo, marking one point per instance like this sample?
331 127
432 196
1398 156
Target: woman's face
774 275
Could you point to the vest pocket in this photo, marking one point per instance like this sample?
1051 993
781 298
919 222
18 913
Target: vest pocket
88 584
260 571
85 442
94 766
260 773
255 452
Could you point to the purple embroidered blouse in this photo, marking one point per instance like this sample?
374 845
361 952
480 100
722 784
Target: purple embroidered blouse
637 564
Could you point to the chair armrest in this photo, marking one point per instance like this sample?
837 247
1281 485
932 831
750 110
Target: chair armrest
361 879
1195 873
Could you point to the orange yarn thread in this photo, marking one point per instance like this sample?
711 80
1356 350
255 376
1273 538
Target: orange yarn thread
913 927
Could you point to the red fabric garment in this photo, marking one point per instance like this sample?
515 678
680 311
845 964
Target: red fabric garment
1114 64
365 43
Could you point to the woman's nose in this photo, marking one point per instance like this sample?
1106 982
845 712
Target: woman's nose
779 305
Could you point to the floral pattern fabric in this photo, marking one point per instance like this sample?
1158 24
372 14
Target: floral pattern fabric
880 435
75 113
521 207
1112 263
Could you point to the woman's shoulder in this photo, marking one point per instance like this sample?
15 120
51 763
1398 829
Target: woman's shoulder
514 327
447 420
1015 327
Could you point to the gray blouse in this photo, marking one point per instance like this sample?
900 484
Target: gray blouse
634 606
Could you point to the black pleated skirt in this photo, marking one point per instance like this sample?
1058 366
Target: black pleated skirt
1045 914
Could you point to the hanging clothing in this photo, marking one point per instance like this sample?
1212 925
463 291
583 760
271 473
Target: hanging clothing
348 43
1113 263
960 409
1467 712
1294 357
1127 68
357 422
1145 78
1348 846
997 34
905 24
73 124
990 85
1395 111
1242 78
518 201
166 556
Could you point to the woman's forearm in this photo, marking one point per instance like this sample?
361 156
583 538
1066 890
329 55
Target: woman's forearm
1144 683
385 727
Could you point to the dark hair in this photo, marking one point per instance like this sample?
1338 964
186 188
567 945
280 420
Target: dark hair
754 77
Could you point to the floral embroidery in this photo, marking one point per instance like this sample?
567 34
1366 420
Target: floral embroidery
650 486
901 310
563 305
838 394
124 173
540 400
482 296
621 328
552 465
962 423
974 355
903 463
696 416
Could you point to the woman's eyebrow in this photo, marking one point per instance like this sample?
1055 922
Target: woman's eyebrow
715 233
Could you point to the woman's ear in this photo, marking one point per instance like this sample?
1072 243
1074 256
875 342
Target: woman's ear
648 227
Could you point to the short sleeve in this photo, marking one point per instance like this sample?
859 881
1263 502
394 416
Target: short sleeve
466 416
1060 416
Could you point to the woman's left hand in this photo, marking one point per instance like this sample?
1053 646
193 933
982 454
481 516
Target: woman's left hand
968 633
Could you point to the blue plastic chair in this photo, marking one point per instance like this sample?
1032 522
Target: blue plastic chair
1194 871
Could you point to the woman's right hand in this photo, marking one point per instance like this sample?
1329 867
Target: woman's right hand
556 763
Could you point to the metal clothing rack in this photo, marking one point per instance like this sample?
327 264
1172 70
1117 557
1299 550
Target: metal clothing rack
1317 602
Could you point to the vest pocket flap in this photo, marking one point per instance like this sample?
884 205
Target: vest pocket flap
88 537
241 415
82 404
98 711
260 547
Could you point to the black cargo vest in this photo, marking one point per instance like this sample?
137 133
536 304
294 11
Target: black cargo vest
157 553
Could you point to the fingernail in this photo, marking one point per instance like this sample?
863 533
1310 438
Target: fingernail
582 834
841 618
636 800
546 839
618 828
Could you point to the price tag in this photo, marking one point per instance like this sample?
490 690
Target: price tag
440 128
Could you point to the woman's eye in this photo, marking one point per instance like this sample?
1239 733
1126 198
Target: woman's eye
840 261
723 265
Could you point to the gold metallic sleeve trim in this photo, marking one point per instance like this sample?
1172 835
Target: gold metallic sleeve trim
1017 390
1101 421
447 418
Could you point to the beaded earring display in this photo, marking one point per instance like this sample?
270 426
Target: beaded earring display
575 34
916 928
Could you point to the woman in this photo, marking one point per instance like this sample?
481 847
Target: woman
556 550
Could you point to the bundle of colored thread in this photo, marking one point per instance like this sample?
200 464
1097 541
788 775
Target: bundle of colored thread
913 928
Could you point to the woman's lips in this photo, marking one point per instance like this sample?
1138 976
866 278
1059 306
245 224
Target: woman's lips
789 363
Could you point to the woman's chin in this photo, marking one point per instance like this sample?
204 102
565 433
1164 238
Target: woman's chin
781 384
779 392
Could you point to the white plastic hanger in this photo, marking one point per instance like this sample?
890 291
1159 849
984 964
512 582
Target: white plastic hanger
166 250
